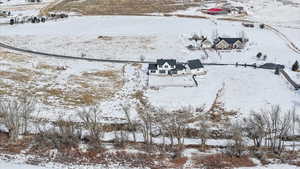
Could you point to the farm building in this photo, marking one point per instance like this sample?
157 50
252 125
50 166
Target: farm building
228 43
196 67
166 67
215 11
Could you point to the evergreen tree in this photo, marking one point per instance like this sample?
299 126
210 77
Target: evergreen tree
295 66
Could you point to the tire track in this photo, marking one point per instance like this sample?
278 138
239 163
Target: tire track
290 44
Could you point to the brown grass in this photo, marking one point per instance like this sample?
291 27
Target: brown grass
46 67
118 7
13 57
15 76
218 161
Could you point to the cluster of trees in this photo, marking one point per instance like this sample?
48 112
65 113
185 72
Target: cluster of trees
266 128
171 125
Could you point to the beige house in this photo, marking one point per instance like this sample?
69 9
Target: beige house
228 43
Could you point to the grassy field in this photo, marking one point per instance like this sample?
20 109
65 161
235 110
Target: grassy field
119 7
20 76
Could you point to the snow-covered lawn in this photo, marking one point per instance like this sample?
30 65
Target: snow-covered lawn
171 81
152 37
129 37
245 89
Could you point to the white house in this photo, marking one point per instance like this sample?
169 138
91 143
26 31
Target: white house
206 44
196 67
166 67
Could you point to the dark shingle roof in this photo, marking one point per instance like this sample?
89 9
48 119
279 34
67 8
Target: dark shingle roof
231 40
152 66
271 66
180 67
195 64
171 62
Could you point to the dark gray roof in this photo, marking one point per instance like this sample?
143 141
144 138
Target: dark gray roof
195 64
152 66
231 40
271 66
180 67
171 62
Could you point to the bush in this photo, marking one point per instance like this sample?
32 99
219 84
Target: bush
259 54
262 26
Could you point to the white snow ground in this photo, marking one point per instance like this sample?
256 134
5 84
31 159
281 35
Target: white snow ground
246 89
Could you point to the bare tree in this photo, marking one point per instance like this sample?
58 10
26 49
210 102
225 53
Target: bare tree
28 107
16 115
277 127
91 118
236 148
131 124
203 131
215 35
255 128
179 120
146 113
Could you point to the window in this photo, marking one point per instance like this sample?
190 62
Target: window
162 71
166 66
160 66
153 71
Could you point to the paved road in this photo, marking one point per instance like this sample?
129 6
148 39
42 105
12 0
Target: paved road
196 83
289 79
69 57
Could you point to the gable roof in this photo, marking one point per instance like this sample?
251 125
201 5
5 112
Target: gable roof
195 64
152 66
180 67
171 62
230 41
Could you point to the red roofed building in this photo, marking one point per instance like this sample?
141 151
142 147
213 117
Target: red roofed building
216 11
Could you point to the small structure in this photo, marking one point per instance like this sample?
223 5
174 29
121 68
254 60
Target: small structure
34 1
195 67
215 11
228 43
206 44
5 13
249 25
166 67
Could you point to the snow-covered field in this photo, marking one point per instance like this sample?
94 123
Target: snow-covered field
246 89
152 37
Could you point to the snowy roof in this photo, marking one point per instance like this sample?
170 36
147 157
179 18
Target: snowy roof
171 62
195 64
